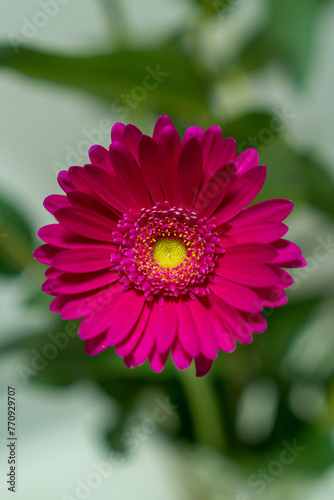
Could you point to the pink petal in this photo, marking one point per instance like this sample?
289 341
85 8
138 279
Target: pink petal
286 250
109 189
117 132
251 252
255 321
187 333
162 122
58 303
148 159
285 280
46 287
96 345
83 260
245 273
127 308
54 201
169 148
236 326
236 295
272 296
114 315
167 325
86 223
92 204
129 175
242 192
158 360
247 160
127 345
64 181
270 210
212 146
225 342
260 232
45 253
203 365
52 273
191 132
58 236
77 306
79 180
131 138
189 173
146 343
213 192
180 358
205 327
97 154
72 283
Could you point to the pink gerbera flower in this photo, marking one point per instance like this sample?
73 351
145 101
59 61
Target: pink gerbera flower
156 250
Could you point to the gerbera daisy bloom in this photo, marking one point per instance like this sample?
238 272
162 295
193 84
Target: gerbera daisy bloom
156 250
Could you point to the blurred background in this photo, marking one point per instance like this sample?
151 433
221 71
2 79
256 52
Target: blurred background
261 424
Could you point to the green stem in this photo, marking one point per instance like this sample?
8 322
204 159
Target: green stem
207 419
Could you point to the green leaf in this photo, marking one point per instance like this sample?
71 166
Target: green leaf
319 186
15 239
161 80
290 37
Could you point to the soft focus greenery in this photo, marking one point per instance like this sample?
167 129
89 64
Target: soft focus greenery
264 393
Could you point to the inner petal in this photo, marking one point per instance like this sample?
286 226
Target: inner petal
169 252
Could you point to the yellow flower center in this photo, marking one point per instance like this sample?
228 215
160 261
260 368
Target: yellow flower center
169 252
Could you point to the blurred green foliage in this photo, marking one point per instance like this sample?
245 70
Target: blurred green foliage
185 92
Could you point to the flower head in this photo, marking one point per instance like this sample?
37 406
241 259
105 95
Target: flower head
156 249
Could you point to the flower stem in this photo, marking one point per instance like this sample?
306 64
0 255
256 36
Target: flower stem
207 419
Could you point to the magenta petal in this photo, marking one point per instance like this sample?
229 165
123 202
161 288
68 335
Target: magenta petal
64 181
205 328
236 326
147 341
109 189
52 273
255 321
148 160
181 359
251 252
260 232
117 132
167 325
104 314
74 283
247 160
79 180
203 365
54 201
86 223
127 345
191 132
58 236
129 175
92 203
287 251
187 333
189 173
83 260
127 307
237 295
158 360
212 145
169 148
58 303
247 274
45 253
272 296
131 138
97 154
162 122
96 345
214 190
270 210
46 287
242 192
